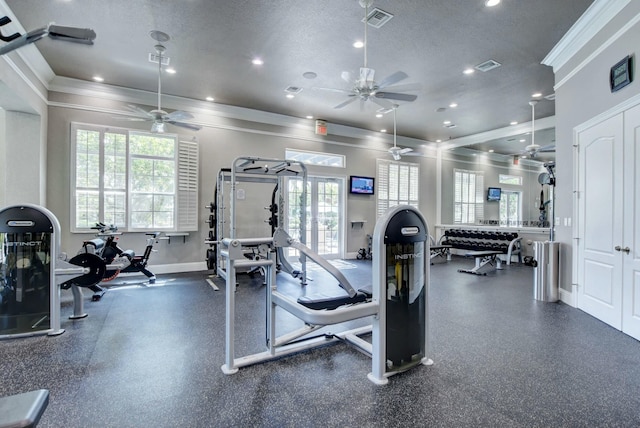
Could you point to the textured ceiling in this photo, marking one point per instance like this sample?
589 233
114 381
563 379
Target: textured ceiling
212 44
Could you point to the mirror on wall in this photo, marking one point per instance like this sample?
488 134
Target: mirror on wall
510 163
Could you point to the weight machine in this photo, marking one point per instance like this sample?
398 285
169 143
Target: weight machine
32 269
223 218
397 304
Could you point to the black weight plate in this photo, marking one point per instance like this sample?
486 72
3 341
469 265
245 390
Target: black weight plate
212 221
96 266
211 258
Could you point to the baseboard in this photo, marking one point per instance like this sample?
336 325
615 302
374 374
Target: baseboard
567 297
172 268
351 256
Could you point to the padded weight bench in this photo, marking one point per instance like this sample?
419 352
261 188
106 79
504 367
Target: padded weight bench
482 258
441 251
23 410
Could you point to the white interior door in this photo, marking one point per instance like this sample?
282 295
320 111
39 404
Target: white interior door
631 264
601 203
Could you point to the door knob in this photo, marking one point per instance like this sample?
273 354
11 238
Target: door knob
618 248
626 250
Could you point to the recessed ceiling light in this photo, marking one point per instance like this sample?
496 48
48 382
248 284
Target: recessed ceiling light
98 79
523 157
383 130
491 3
447 122
379 115
469 71
536 95
453 105
309 117
513 123
491 151
209 99
523 140
171 70
309 75
358 44
438 141
290 96
257 61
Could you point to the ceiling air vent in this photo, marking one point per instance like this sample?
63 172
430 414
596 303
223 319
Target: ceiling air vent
487 65
378 17
153 57
292 89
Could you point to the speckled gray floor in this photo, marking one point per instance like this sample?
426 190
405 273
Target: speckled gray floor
151 357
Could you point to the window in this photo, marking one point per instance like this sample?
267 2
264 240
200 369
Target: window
315 158
468 196
397 184
134 180
514 180
510 208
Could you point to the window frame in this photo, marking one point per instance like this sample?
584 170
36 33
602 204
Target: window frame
384 193
185 180
478 195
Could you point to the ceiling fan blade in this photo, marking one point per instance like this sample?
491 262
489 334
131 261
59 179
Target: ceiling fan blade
346 103
341 91
407 87
178 115
406 150
396 96
394 78
547 149
140 112
132 119
184 125
387 105
72 34
346 76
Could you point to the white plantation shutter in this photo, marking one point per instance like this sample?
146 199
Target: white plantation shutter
397 184
187 210
468 196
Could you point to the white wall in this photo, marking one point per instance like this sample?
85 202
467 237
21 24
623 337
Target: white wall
222 139
582 93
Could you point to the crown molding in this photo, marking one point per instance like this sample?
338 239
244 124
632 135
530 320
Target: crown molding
585 28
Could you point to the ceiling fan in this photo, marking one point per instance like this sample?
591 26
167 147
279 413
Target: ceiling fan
365 88
56 32
533 149
398 152
158 116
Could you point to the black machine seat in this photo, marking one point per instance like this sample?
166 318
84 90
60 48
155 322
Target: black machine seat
322 301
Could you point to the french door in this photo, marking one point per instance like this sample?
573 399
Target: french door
324 214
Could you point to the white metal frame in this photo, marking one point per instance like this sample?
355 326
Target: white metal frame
315 319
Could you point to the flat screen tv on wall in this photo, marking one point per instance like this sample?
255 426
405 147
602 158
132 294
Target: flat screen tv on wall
494 193
361 185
